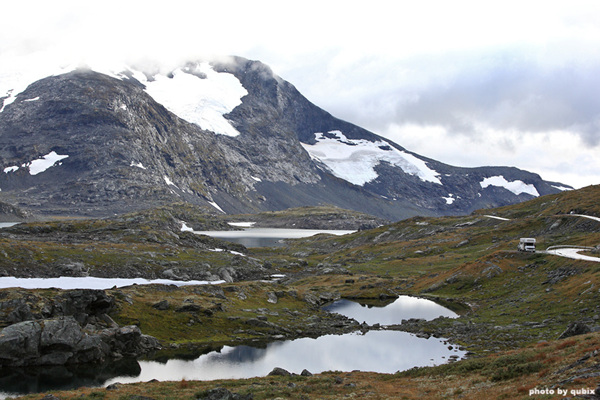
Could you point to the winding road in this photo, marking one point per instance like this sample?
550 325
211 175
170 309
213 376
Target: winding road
573 252
566 251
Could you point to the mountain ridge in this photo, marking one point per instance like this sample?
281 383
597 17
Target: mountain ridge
116 149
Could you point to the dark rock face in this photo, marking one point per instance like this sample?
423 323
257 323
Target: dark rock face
72 328
62 341
574 329
84 305
277 371
127 152
128 341
9 213
48 342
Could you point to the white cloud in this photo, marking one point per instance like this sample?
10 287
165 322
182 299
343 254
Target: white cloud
479 79
558 156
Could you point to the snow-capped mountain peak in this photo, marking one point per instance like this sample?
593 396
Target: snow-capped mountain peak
195 92
96 142
198 94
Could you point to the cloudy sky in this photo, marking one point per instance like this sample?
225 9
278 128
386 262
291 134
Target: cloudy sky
469 83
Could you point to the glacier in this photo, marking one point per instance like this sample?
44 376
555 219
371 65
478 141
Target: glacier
197 94
354 160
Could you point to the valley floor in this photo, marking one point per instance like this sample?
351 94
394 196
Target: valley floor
530 321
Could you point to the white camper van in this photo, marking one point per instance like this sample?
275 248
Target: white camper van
526 244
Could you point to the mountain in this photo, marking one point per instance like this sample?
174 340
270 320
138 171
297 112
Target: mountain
230 135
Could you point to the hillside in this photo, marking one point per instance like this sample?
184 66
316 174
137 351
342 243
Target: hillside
529 320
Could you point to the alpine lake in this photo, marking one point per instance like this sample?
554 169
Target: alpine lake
384 351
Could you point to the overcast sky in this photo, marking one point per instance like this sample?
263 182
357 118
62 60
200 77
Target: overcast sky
469 83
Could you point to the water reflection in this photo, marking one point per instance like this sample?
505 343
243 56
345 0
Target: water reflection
18 381
90 282
267 237
405 307
377 351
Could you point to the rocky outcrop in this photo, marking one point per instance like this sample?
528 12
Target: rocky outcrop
61 341
574 329
322 217
48 342
71 328
10 213
278 371
86 306
128 341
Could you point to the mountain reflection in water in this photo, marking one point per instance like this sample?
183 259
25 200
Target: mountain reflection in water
378 351
388 313
268 237
42 379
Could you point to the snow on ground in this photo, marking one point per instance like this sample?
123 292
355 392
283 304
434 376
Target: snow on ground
42 164
242 224
215 205
495 217
517 187
562 188
585 216
89 282
235 253
573 253
354 160
169 182
449 199
139 165
199 95
185 228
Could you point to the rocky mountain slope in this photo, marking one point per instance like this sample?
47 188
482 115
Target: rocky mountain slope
230 135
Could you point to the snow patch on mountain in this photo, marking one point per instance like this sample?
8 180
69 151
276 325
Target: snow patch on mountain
185 228
450 199
242 224
169 182
198 94
517 187
139 165
41 164
354 160
215 205
562 188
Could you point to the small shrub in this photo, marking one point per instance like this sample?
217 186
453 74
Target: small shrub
565 344
513 371
525 389
95 395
